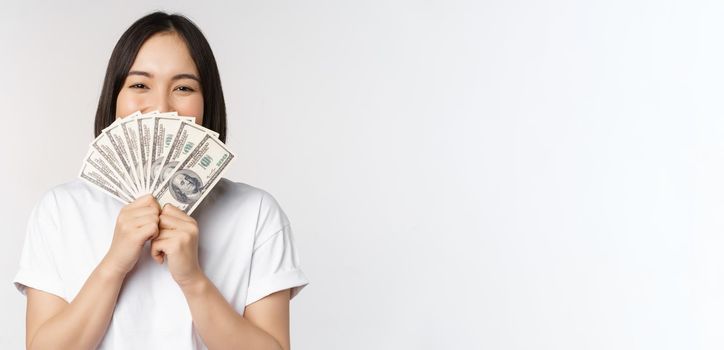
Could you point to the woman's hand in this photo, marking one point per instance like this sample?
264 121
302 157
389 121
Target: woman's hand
136 223
178 241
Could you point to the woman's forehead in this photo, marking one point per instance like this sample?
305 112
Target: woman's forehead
164 54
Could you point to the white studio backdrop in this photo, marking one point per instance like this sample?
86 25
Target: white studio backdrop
459 175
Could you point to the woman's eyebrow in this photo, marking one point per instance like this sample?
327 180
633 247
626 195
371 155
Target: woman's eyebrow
175 77
138 72
186 76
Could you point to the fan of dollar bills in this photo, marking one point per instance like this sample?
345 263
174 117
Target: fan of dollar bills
164 154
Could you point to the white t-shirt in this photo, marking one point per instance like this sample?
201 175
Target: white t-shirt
246 249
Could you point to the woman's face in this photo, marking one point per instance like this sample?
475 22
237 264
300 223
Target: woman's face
164 78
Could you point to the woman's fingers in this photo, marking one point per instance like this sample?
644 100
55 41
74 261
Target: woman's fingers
142 211
169 222
136 223
149 222
141 229
158 248
171 210
145 205
170 217
148 231
143 201
162 246
142 220
174 223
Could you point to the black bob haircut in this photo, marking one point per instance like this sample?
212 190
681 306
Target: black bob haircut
125 53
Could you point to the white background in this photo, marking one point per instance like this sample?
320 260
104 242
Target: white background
481 175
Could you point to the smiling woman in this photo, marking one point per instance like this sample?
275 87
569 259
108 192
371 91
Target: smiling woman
163 62
163 78
159 278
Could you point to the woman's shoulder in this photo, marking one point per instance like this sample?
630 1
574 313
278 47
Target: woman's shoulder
234 194
244 199
75 190
241 190
59 200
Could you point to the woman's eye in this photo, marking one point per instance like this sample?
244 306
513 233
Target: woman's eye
138 86
185 89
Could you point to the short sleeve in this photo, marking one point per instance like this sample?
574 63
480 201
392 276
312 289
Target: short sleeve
275 263
37 267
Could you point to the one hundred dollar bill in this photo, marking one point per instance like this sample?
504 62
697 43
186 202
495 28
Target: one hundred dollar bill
164 130
194 177
187 138
131 135
144 124
145 138
94 176
105 148
101 165
119 142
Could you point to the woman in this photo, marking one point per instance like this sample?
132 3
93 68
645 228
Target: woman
221 279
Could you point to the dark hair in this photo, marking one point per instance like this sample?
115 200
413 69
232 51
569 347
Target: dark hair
125 53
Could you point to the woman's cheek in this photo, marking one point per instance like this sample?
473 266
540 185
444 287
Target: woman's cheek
127 104
192 107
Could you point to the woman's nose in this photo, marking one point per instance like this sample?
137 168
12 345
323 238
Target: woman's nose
163 104
159 102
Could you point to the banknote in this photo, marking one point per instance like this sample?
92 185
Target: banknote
100 164
145 134
106 149
195 175
130 133
164 131
187 137
119 143
93 176
160 153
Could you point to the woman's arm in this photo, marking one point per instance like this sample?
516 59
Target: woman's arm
265 324
52 323
220 326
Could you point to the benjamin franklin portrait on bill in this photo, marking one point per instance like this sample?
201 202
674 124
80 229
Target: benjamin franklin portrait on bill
185 186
